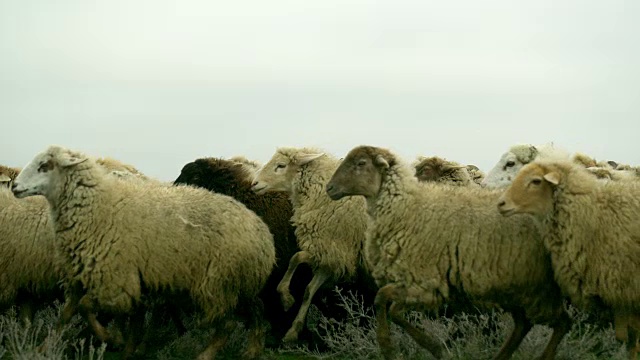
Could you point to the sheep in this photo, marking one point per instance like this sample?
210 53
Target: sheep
28 271
514 159
7 175
440 170
119 238
30 274
427 242
251 166
477 175
329 234
233 178
609 174
592 232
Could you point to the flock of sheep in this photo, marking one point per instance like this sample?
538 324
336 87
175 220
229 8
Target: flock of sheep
237 240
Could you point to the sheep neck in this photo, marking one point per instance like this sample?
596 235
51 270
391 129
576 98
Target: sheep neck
73 199
392 185
309 184
561 238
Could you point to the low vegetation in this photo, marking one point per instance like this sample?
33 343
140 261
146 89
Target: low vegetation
464 337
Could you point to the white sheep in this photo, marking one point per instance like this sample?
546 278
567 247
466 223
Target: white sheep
330 234
118 237
592 231
428 241
514 159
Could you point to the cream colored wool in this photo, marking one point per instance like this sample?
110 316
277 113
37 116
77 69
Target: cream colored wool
431 238
118 235
591 229
27 261
477 175
250 166
333 232
7 175
436 169
330 234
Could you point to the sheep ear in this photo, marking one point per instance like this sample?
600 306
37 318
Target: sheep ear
380 161
454 167
4 178
67 159
552 177
302 159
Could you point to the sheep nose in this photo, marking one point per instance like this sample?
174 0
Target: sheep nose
501 203
254 183
329 187
13 186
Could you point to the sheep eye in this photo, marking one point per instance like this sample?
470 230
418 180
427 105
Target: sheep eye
44 167
280 166
510 164
536 181
362 162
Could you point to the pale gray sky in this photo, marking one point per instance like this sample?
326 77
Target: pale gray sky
160 83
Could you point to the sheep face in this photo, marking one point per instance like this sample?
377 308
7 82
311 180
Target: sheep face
37 176
278 173
503 172
531 192
360 173
510 163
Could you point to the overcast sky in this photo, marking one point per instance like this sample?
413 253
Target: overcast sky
160 83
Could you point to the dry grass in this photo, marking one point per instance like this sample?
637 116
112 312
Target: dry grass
464 337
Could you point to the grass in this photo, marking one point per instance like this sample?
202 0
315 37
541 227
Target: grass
464 337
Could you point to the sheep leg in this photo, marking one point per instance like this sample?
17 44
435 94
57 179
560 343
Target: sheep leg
298 258
85 305
383 334
560 329
134 330
256 327
632 340
69 309
632 344
521 328
316 282
27 311
397 311
174 314
223 328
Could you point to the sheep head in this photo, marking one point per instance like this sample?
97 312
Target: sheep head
360 173
509 164
278 173
37 176
531 192
7 175
437 169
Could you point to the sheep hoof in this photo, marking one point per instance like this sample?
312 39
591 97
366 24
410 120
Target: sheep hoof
287 301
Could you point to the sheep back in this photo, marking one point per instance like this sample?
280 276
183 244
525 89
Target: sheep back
438 237
167 238
332 231
593 236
